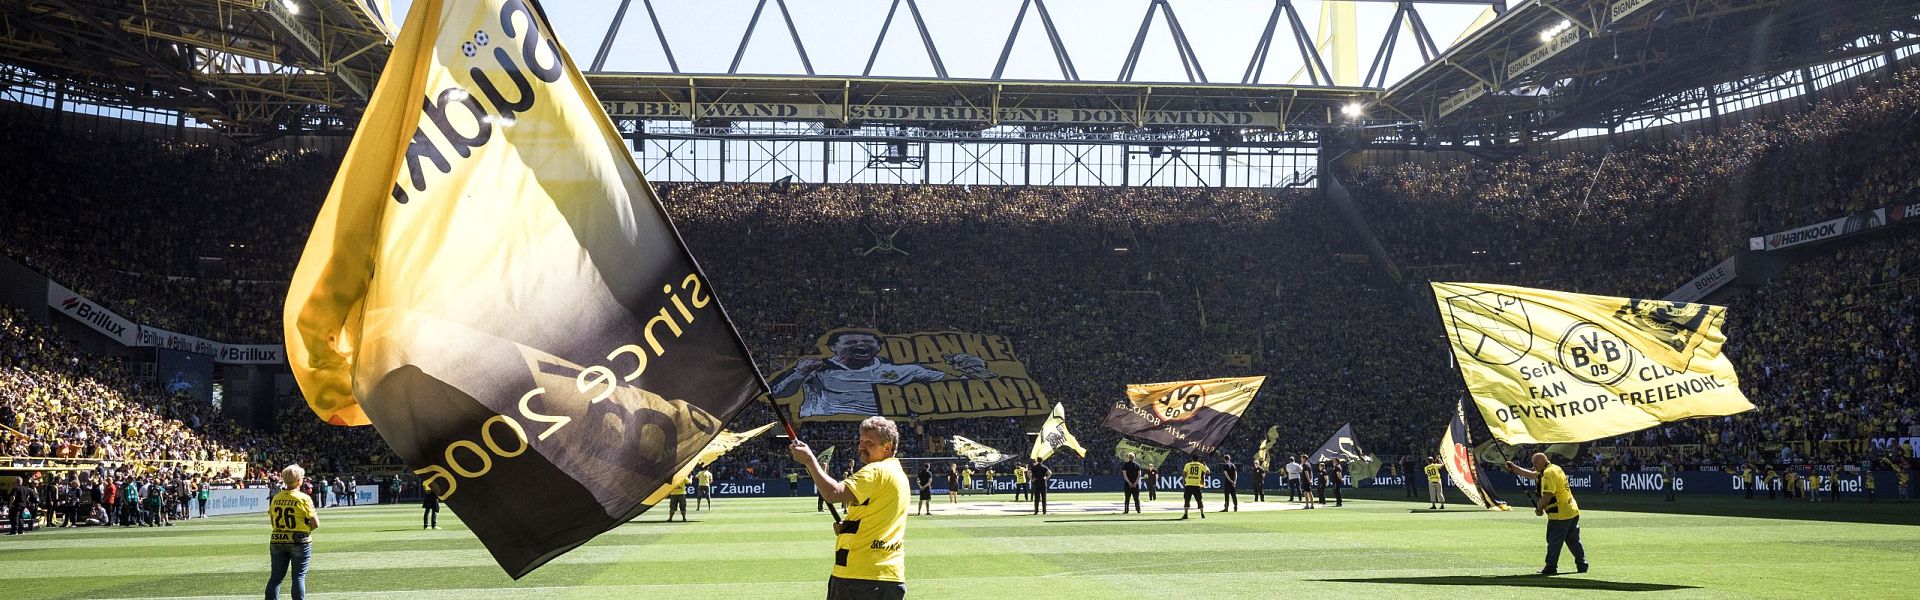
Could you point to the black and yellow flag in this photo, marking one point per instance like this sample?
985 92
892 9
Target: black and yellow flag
1341 446
720 446
978 453
1552 367
1189 416
1053 436
1262 459
1458 459
493 285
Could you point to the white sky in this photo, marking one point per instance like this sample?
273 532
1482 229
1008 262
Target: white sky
970 34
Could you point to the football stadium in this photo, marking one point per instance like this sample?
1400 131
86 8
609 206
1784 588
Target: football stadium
940 299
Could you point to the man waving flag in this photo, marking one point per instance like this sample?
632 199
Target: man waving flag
1054 436
1552 367
495 288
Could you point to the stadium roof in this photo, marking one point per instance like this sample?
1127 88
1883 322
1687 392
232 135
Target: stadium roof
1545 68
248 67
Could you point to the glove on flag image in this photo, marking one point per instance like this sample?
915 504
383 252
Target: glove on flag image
493 285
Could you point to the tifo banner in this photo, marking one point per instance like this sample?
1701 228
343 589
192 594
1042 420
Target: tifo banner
1550 367
720 446
859 373
1458 459
493 285
1053 436
979 453
1149 456
128 333
1189 416
1262 460
1341 446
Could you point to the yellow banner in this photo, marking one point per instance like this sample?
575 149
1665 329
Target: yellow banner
1553 367
1054 436
858 373
1189 416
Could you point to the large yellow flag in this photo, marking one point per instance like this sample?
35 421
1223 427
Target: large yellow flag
1189 416
494 287
1553 367
978 453
1054 436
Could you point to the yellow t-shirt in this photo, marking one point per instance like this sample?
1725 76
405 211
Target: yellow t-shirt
1019 474
1433 473
872 540
1553 482
291 512
1196 473
679 488
704 477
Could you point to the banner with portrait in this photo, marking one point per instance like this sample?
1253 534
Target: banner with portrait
857 373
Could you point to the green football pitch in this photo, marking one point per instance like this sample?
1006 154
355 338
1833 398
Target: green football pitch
781 548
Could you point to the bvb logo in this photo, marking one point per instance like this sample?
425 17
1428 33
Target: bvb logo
1055 436
1182 402
1595 355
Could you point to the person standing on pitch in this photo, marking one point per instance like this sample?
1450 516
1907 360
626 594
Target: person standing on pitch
793 483
1436 493
1153 482
429 508
1019 482
870 557
1306 481
677 499
1229 483
988 482
1321 472
291 544
1259 484
703 485
925 481
1130 485
953 483
1196 480
966 477
1040 474
1337 471
1563 514
1293 479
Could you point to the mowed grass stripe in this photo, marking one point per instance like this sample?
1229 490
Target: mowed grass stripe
779 548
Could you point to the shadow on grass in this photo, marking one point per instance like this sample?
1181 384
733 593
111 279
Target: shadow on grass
1118 519
1537 581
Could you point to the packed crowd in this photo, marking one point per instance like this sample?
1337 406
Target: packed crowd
1097 287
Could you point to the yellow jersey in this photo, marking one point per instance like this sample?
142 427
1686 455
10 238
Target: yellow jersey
292 514
704 478
872 540
1433 473
1553 484
1196 473
679 487
1019 474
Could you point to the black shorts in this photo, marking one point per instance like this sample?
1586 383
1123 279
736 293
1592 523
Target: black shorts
926 493
864 589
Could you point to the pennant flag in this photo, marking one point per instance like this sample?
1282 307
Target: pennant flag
1054 436
1341 447
977 452
496 289
720 446
826 457
1551 367
1189 416
1261 460
1458 459
1148 455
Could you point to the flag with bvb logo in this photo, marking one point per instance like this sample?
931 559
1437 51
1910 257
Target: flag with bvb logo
1054 436
979 453
1550 367
1189 416
495 288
